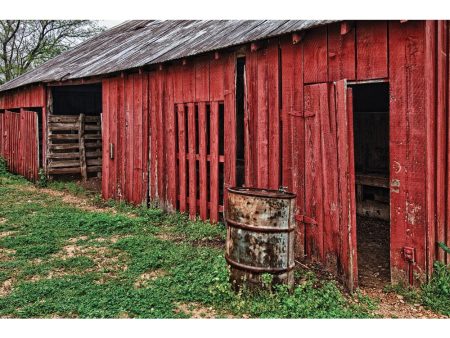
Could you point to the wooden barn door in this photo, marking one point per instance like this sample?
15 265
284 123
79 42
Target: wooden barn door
329 220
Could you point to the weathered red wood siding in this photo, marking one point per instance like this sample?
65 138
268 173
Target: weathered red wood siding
19 144
27 97
437 92
169 134
124 130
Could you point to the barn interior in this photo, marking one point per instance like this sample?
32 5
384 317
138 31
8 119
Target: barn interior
371 144
74 132
240 121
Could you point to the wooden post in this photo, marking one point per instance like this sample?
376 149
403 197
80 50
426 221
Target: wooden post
82 147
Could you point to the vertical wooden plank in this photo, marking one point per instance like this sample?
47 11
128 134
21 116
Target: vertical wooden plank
273 115
202 161
262 145
447 226
441 124
182 156
216 77
408 137
192 161
202 79
83 168
129 155
313 176
146 137
105 139
214 162
161 148
341 53
171 145
287 121
153 149
137 140
330 177
315 55
188 78
112 136
371 50
229 133
250 119
121 142
347 201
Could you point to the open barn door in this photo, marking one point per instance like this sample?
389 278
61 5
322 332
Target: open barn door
346 169
329 217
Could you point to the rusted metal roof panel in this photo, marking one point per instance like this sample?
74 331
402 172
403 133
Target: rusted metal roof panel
139 43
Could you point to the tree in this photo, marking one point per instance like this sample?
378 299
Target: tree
26 44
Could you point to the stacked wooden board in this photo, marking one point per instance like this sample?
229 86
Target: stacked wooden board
74 145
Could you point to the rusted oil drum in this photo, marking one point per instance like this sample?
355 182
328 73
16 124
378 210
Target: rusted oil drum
260 236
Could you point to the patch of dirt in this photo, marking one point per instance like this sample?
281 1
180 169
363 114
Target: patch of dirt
149 276
2 220
170 236
106 261
5 254
197 311
373 252
77 239
392 305
6 233
6 287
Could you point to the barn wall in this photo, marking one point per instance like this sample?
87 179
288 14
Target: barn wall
124 135
19 142
156 147
438 140
27 97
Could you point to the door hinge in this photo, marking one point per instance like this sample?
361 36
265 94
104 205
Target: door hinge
409 254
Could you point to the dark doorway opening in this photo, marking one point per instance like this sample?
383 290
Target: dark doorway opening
371 144
74 133
240 120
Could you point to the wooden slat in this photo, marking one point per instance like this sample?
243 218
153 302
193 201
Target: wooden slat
313 172
182 162
81 138
274 159
62 164
214 163
192 162
172 174
262 124
203 179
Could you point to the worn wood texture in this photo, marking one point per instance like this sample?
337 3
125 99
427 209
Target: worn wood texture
341 53
125 153
371 50
315 56
407 147
19 143
25 97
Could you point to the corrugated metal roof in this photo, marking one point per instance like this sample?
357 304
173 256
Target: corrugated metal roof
139 43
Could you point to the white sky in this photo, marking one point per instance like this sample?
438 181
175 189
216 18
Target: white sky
110 23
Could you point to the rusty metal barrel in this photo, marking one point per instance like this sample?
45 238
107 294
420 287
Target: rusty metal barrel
260 236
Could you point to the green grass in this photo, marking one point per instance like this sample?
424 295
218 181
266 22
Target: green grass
66 262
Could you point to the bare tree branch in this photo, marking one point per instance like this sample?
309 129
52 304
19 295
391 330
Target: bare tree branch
26 44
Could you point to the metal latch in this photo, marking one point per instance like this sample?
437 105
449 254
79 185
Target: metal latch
111 151
408 254
305 219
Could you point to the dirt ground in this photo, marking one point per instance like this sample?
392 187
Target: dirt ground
373 252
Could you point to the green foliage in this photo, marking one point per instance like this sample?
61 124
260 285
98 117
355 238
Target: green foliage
436 294
42 181
3 166
68 186
444 247
187 269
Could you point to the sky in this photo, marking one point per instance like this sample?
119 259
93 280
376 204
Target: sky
111 23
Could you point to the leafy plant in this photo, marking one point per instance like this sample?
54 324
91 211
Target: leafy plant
42 181
436 294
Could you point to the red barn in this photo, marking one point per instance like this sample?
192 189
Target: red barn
352 116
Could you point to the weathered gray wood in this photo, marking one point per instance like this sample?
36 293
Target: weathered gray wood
138 43
81 136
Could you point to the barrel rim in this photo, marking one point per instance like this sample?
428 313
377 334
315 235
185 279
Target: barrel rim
249 191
